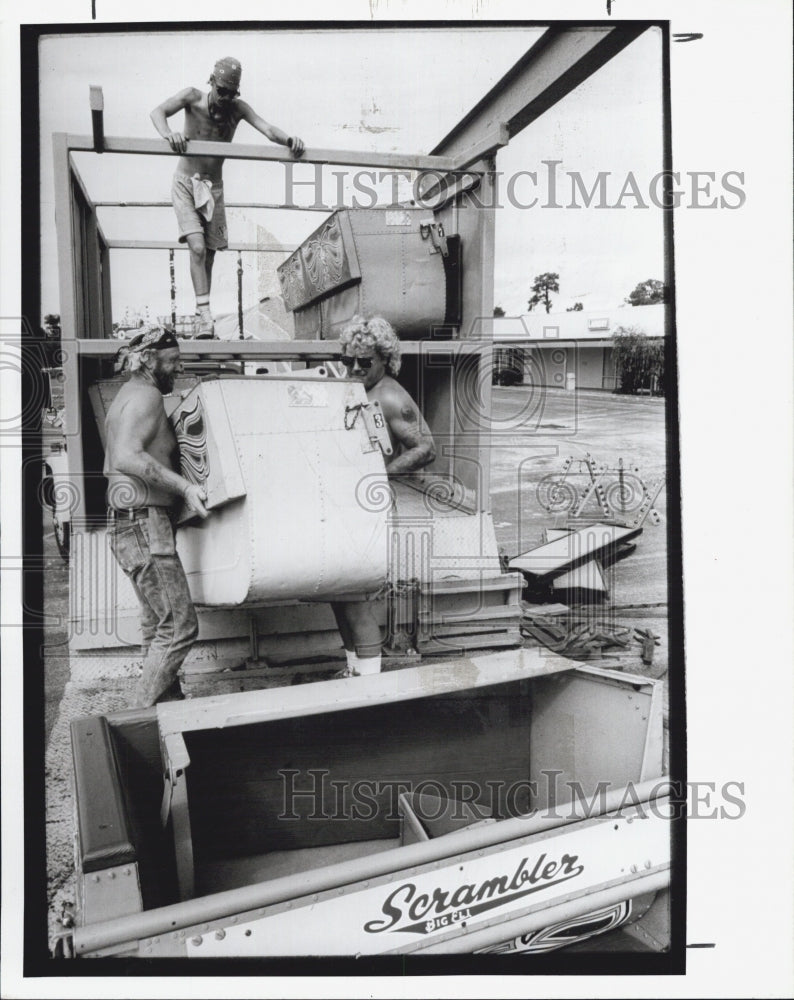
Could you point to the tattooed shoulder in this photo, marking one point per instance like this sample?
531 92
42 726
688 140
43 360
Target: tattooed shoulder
408 413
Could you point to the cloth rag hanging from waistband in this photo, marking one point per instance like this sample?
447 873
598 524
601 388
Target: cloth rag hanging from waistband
202 196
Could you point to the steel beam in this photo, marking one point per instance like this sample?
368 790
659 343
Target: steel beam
555 65
175 245
63 229
70 320
300 350
229 204
239 151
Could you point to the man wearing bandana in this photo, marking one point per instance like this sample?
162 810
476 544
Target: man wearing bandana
197 188
141 459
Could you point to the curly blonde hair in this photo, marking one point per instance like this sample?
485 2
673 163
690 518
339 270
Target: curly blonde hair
377 333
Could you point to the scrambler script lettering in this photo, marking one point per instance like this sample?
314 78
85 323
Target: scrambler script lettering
407 910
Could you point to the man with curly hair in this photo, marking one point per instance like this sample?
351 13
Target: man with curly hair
371 354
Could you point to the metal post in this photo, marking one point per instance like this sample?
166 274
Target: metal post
97 103
240 293
173 287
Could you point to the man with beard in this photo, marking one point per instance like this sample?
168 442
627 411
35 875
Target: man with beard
197 188
141 457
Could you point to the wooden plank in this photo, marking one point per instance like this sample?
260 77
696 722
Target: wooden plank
642 611
241 151
571 550
488 615
464 644
507 581
498 630
546 610
459 674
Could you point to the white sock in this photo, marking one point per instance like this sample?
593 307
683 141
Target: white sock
203 306
352 661
369 664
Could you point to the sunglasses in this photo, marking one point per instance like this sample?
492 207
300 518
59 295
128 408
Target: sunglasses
363 363
226 92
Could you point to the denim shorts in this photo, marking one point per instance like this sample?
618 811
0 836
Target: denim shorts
190 220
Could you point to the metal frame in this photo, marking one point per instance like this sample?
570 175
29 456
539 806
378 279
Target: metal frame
465 158
556 64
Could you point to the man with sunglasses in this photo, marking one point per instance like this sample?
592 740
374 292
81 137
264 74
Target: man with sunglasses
141 459
197 188
371 355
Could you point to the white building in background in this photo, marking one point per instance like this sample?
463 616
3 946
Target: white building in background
570 350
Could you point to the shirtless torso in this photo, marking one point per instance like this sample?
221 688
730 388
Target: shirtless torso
141 452
408 432
211 118
139 406
208 125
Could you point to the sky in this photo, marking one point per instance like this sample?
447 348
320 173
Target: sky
349 89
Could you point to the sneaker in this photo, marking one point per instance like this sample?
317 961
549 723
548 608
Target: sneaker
206 328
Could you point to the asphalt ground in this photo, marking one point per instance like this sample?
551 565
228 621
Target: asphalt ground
531 442
530 439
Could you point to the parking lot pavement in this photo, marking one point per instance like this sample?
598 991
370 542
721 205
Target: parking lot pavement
531 441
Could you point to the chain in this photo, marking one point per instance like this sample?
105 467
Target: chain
352 409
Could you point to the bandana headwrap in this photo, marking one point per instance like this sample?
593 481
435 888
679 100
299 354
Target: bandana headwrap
157 337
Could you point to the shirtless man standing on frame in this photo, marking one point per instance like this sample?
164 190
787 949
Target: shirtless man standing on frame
197 188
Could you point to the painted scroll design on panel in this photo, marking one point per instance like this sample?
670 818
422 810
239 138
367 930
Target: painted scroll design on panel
566 932
325 259
292 279
191 435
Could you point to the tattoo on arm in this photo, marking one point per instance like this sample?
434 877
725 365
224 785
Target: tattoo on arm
408 414
157 474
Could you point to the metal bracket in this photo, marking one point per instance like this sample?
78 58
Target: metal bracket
435 232
374 424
